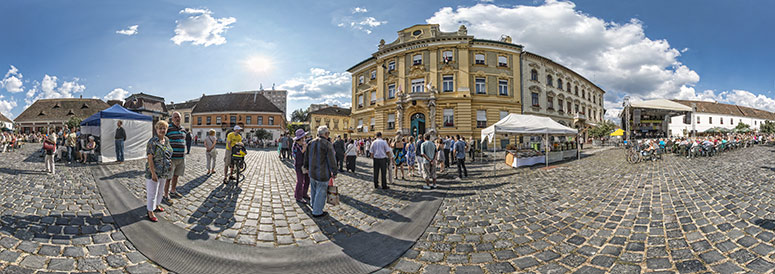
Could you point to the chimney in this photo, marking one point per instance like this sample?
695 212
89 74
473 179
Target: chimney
80 96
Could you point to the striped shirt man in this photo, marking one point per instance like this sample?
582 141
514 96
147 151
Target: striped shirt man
177 136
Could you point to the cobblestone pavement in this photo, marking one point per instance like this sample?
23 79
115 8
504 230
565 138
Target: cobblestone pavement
58 223
602 215
261 210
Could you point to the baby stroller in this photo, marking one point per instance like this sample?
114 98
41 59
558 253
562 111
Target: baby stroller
238 153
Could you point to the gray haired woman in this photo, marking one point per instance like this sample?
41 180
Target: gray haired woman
157 169
210 152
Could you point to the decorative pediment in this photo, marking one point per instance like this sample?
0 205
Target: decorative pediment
533 65
447 69
503 75
534 88
417 71
480 73
550 92
561 96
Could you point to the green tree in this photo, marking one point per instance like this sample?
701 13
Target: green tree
742 127
263 134
73 122
602 129
293 126
767 127
299 115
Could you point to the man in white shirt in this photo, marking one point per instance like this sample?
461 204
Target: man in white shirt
380 152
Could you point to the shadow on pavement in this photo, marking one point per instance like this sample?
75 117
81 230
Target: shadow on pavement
11 171
64 227
373 211
216 213
129 174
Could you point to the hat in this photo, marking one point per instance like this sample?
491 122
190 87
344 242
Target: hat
237 127
299 134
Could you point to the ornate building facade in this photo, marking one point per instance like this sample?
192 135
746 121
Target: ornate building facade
429 79
552 90
336 118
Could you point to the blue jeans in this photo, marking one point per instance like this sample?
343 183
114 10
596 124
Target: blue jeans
120 150
319 190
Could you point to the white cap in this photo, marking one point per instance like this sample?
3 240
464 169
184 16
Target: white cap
237 127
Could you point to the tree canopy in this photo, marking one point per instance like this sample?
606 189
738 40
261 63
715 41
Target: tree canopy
602 129
299 115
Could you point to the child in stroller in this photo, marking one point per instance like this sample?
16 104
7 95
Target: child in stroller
238 153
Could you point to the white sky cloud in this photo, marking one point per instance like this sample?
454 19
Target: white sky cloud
116 94
50 87
362 23
320 86
131 30
6 106
618 57
201 28
360 10
12 81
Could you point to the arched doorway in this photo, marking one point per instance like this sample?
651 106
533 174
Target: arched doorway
417 124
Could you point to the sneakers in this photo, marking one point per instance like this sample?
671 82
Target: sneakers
167 201
426 187
175 195
321 215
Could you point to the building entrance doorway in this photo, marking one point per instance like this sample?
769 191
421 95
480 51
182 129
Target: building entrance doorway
418 125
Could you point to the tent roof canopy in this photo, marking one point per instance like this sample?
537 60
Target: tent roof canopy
661 104
526 125
114 112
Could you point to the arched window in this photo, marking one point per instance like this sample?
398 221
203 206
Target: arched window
568 87
549 80
576 88
559 83
534 75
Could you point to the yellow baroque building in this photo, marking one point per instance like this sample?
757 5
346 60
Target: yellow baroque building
337 119
429 79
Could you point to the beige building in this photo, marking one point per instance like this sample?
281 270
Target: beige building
185 110
337 119
552 90
429 79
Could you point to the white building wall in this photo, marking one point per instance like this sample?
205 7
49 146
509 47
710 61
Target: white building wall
676 127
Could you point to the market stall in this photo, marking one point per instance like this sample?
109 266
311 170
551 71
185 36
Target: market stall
517 124
102 124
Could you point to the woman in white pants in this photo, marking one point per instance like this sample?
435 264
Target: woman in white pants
157 170
210 153
52 139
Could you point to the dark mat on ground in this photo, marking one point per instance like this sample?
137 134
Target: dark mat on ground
167 245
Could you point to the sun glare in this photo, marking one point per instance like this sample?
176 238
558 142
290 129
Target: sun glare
259 64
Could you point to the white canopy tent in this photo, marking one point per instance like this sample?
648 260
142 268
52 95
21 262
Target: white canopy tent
138 128
661 104
527 125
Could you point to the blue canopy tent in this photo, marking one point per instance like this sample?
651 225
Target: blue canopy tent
103 124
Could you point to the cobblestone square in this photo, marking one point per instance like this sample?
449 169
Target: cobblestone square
594 215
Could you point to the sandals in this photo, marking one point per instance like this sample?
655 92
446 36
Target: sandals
153 218
158 209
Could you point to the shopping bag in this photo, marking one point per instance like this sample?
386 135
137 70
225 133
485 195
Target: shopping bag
332 197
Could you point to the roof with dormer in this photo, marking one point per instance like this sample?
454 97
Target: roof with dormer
60 110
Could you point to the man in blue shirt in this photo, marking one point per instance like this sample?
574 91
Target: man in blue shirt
448 142
459 151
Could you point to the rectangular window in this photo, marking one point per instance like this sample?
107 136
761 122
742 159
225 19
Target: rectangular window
360 125
503 87
371 126
391 122
198 120
218 120
209 120
481 118
233 119
722 120
418 85
392 66
479 59
391 91
549 102
503 114
559 105
260 120
449 117
373 74
248 119
698 120
569 109
710 120
417 59
481 86
186 119
446 56
448 83
271 120
503 61
534 97
373 97
360 101
360 79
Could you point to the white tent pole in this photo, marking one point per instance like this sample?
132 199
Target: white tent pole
546 148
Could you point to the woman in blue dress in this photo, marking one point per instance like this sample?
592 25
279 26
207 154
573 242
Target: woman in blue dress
410 155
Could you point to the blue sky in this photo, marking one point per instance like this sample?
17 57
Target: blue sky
705 50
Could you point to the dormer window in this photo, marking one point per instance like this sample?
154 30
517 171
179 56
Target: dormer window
69 113
84 106
57 105
41 113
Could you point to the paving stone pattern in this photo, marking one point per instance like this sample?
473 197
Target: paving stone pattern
58 223
603 215
261 210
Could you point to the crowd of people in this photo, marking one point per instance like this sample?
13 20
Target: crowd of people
699 146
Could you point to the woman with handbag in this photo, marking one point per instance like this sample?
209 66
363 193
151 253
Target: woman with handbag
50 147
302 176
157 169
210 152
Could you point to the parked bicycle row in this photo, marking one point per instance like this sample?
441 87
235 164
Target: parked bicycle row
708 146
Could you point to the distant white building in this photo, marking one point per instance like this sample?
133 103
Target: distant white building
713 114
